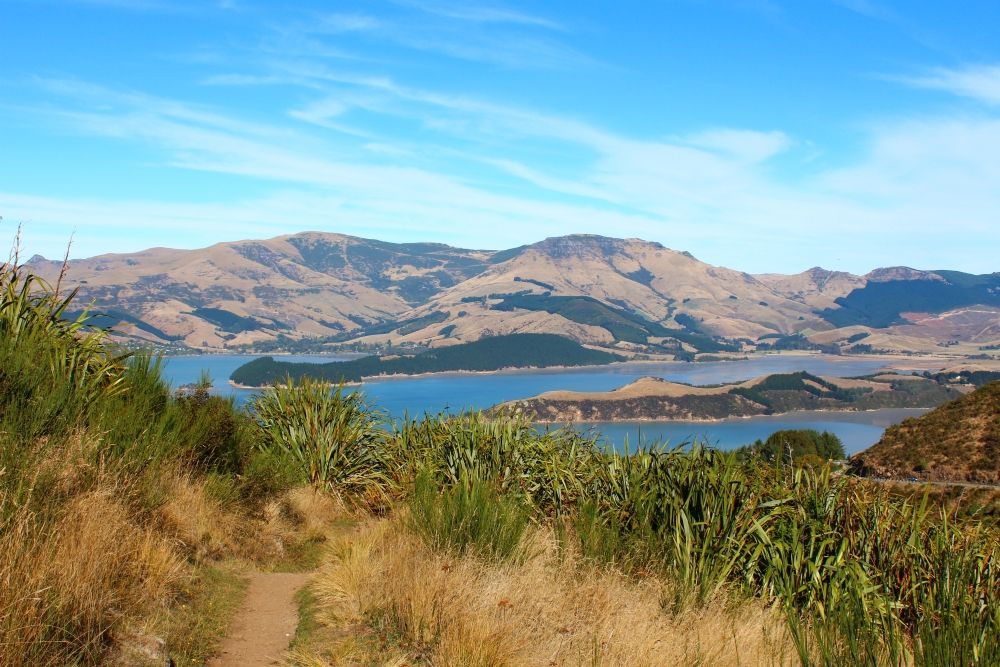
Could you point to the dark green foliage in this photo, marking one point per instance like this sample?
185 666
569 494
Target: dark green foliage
109 318
505 255
228 321
419 323
975 378
622 324
60 378
795 445
642 275
879 304
404 326
548 470
486 354
518 279
334 438
446 331
319 254
782 392
791 342
858 336
216 430
585 310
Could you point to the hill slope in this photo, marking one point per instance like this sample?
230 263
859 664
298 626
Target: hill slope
959 441
606 291
308 284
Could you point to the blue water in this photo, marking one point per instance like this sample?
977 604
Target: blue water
454 392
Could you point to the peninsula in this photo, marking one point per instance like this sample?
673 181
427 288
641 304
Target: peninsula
650 398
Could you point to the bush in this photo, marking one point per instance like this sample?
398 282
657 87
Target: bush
334 439
469 516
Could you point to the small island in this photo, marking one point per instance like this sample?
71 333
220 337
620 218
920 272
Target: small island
492 353
650 398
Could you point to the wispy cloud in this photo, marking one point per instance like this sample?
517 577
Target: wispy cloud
712 192
482 13
337 23
979 82
479 33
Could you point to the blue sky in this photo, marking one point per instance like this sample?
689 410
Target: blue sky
764 135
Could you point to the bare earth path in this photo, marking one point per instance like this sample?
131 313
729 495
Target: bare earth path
264 625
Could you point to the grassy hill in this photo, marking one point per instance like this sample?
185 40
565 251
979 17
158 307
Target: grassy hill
958 441
486 354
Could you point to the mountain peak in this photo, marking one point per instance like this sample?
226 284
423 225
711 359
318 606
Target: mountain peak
901 273
579 244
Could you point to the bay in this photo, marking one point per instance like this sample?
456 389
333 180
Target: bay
453 392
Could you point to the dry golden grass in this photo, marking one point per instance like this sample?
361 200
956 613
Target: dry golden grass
98 566
66 587
552 610
202 527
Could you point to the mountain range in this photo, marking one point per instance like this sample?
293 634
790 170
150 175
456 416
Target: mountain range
629 295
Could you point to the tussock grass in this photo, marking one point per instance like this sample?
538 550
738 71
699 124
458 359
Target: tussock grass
430 607
505 547
67 584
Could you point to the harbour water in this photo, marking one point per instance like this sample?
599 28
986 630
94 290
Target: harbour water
453 392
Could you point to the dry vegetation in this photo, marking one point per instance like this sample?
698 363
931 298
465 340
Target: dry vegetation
121 504
960 441
386 598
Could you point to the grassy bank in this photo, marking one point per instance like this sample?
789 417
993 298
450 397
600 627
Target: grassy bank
122 505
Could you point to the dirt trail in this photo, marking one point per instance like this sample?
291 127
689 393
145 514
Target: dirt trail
264 625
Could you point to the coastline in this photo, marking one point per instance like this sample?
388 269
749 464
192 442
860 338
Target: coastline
747 418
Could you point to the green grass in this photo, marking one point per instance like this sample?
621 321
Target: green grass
201 617
470 516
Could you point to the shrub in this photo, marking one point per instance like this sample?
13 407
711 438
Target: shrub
469 516
334 439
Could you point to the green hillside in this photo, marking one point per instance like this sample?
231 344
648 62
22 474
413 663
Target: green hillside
622 324
880 304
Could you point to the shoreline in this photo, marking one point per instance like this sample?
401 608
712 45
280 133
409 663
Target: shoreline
734 419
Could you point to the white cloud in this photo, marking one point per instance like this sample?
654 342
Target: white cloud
481 13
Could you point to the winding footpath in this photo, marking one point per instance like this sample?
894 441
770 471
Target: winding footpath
265 624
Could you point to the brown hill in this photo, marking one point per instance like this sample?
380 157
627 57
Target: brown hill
640 277
652 398
629 294
959 441
308 284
